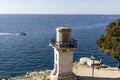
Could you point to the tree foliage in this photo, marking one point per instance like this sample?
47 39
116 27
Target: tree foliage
110 41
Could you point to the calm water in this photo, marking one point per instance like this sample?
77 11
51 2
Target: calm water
21 54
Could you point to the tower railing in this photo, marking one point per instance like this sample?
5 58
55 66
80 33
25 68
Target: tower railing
64 44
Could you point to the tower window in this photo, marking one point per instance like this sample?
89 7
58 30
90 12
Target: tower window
56 57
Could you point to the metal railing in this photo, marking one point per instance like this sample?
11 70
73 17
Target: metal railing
64 44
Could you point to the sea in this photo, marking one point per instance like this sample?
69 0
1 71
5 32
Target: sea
22 54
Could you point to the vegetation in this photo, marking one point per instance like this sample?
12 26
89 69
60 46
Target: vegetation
110 41
42 75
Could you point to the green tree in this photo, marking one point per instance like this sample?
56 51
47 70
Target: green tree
110 41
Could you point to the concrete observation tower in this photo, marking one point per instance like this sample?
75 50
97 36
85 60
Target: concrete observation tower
63 55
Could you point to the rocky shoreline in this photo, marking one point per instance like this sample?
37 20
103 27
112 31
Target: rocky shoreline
81 69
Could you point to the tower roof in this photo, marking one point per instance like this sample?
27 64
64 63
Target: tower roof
63 29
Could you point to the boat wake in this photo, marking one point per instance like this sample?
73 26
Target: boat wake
10 34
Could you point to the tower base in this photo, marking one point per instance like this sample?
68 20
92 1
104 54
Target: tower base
63 76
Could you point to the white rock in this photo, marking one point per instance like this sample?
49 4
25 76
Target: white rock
84 60
96 62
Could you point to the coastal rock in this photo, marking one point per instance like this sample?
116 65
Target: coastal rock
96 63
84 60
83 72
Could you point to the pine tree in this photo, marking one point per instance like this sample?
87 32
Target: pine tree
110 41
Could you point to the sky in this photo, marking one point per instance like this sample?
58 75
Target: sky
59 6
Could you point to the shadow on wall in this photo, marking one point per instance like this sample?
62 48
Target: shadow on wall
95 78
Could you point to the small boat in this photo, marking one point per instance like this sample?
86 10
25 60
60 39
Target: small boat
22 34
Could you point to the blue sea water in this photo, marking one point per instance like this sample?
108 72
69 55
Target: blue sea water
21 54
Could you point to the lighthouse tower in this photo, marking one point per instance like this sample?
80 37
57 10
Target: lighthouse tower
63 55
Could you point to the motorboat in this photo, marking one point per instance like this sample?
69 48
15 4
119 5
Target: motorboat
22 34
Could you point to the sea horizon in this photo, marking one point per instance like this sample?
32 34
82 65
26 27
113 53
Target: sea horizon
50 14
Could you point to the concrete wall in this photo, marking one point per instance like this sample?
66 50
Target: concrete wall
64 61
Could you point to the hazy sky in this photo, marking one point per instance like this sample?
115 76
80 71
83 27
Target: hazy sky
59 6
